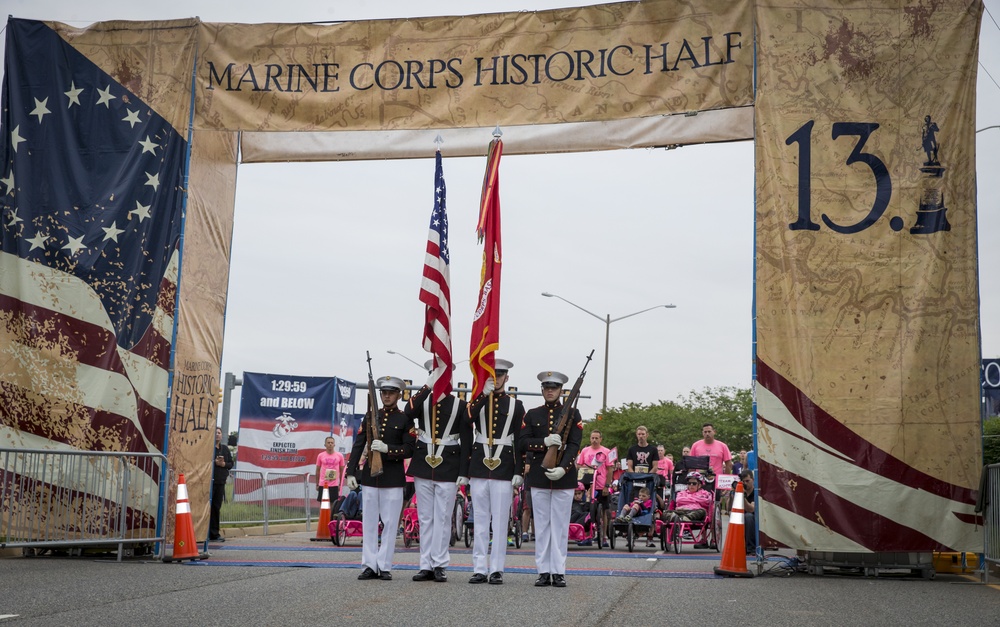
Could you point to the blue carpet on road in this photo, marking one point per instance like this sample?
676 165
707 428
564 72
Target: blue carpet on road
589 572
588 554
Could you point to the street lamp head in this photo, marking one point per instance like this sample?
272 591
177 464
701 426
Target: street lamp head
398 354
547 294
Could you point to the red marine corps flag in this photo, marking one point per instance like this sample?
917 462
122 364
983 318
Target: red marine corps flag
486 320
435 290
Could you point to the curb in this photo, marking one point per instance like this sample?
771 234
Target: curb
272 530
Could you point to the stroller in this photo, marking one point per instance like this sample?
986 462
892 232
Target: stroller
640 525
516 509
584 524
411 523
705 533
346 520
513 531
468 525
458 515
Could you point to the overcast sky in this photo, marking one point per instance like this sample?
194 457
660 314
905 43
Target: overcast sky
327 257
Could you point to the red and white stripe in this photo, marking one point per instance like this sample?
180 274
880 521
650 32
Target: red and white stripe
64 381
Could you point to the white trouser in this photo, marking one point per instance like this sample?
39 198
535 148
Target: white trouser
435 504
551 509
386 503
491 499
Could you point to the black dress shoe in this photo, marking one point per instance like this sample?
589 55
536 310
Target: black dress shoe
385 575
367 573
559 581
423 575
439 574
496 578
477 578
543 580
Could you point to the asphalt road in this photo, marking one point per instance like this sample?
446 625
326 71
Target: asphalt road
289 580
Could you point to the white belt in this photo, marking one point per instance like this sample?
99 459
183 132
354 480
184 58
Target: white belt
507 441
447 440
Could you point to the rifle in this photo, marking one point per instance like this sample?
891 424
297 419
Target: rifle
371 431
553 457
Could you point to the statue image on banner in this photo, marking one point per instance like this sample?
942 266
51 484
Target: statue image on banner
931 216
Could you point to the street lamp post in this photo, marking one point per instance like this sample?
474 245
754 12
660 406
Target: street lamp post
607 320
421 366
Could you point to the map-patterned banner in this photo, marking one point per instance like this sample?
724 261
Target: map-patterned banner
867 290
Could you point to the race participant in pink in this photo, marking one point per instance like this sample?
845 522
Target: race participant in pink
719 458
665 465
691 504
595 467
329 471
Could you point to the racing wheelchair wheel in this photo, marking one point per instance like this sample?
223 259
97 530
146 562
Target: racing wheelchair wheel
340 533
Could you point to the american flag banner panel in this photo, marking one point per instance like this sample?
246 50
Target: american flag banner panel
90 216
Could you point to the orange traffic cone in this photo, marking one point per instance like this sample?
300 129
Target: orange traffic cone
185 545
734 551
323 530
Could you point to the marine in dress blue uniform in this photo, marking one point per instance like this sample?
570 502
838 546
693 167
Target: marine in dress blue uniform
551 490
493 472
443 439
382 496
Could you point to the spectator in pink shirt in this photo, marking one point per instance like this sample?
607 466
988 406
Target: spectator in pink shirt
329 471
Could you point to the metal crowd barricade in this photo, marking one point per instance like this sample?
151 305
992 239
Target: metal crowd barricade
258 498
245 503
991 517
289 497
54 500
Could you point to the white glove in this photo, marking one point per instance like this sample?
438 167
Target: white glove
556 473
352 483
462 481
517 481
489 386
553 440
380 446
430 380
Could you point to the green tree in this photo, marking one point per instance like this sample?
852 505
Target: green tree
991 441
676 424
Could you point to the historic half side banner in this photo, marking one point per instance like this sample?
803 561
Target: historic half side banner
867 293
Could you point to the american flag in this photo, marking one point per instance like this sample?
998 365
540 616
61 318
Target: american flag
435 290
92 189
